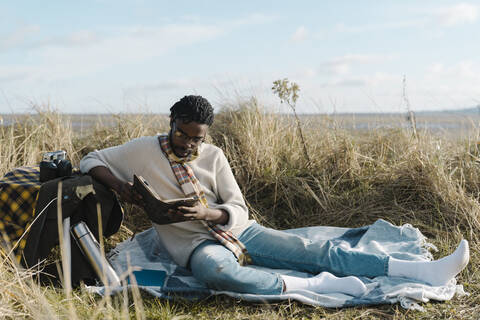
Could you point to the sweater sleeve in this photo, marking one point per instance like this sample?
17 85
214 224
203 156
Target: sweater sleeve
231 196
123 160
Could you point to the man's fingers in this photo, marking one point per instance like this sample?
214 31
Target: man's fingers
186 209
176 217
181 214
175 212
126 197
129 194
189 215
136 194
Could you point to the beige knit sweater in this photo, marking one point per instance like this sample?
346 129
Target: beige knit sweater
144 157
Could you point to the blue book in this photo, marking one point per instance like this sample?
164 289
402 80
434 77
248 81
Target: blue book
147 277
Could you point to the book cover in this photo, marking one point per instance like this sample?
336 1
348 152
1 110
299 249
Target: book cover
155 207
148 278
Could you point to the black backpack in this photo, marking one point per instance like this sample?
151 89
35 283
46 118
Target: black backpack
80 195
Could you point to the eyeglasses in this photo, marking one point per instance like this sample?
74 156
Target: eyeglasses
185 137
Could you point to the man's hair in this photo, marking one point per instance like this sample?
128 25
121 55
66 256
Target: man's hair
192 108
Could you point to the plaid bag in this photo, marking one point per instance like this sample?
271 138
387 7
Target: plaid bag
18 196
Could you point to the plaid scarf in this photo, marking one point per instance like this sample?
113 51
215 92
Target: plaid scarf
191 187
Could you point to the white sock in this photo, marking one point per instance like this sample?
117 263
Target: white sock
436 273
325 283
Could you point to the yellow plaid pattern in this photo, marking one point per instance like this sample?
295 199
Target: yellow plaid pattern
18 196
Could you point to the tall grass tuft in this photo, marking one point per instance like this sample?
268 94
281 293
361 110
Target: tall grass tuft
120 129
23 142
20 296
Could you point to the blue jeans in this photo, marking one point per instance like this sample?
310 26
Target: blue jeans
217 267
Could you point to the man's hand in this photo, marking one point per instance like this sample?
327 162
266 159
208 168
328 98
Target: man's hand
124 189
127 193
200 212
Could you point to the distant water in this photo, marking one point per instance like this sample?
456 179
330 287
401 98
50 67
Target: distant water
456 124
80 123
459 125
433 126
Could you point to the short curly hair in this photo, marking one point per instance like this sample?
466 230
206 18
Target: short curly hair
192 108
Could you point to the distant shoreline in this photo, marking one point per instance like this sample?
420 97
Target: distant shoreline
439 123
446 112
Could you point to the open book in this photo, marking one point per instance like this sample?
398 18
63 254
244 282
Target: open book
154 206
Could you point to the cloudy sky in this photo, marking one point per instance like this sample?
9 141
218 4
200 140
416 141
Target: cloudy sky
138 55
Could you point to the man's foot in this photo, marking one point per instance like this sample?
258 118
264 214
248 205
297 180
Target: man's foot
436 273
326 283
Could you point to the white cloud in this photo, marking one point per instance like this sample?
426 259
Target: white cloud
465 72
18 37
376 79
167 85
371 27
359 58
253 19
342 65
462 13
75 39
382 78
347 82
440 86
300 34
23 39
86 52
13 73
436 68
458 14
306 73
445 86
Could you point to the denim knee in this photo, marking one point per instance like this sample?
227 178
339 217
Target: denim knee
211 267
218 269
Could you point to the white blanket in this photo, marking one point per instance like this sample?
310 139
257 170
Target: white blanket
157 274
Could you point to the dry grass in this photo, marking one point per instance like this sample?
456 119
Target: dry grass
354 178
26 140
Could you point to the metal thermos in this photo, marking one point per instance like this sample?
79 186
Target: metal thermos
91 249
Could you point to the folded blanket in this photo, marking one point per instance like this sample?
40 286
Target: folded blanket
155 272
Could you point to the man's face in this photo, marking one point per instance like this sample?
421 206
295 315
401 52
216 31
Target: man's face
186 137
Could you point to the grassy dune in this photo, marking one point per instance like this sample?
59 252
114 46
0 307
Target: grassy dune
353 178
